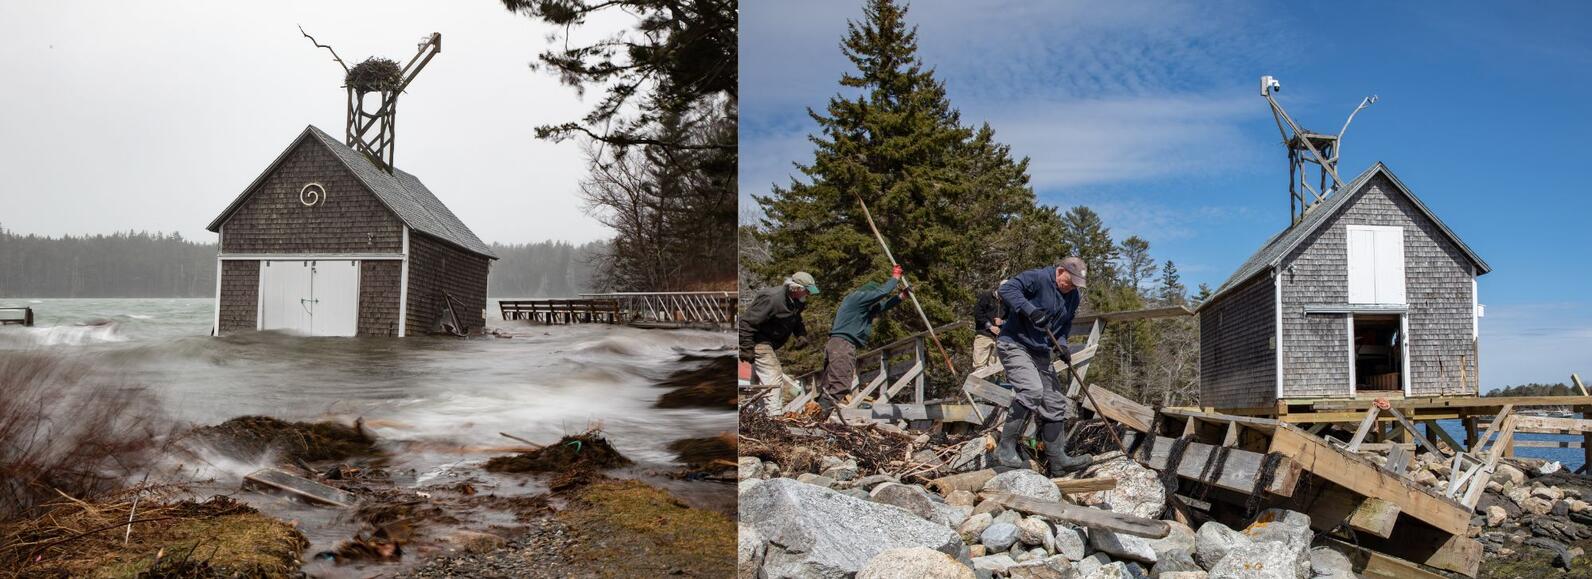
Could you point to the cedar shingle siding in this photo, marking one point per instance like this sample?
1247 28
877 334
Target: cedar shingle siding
240 292
1237 364
379 289
348 220
1238 367
435 267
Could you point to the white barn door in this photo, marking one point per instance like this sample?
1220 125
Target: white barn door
1376 264
315 298
335 288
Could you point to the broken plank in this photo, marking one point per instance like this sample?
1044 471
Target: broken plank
1559 425
1363 476
1364 429
1090 517
1375 516
299 487
1238 472
986 390
1413 433
1371 564
1084 485
1398 460
1120 409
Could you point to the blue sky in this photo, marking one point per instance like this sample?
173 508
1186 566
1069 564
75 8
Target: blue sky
1148 112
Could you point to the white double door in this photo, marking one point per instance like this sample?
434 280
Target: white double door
310 297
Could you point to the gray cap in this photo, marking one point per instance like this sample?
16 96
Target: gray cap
805 280
1075 266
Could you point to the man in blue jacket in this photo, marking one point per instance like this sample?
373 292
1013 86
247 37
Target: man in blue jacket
853 323
1038 300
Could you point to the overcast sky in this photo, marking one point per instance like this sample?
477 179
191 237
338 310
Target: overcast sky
155 115
1148 112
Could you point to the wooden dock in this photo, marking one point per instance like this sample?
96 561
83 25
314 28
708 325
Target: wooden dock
559 311
713 310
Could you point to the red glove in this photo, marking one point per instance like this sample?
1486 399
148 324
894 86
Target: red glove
895 271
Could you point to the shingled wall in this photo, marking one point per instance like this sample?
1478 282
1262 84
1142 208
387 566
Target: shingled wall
1238 362
349 219
240 295
435 267
1437 287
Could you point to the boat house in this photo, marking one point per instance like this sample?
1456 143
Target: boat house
1367 293
327 243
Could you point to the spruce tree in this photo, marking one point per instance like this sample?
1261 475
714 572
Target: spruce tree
940 193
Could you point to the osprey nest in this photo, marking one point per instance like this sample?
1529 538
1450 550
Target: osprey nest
376 74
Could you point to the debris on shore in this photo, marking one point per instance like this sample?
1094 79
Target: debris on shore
586 451
256 436
707 386
219 537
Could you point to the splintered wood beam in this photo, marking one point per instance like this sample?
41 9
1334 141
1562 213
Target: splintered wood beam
1090 517
1364 477
1503 415
980 388
1120 409
1239 468
1084 485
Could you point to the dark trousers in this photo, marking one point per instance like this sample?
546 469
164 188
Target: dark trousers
840 366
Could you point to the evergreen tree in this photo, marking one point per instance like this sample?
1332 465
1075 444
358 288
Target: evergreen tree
940 193
1136 263
1171 290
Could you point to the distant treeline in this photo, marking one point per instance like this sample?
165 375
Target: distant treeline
1535 389
141 264
547 269
125 265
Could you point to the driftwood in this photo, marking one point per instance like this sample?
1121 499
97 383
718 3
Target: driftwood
1084 485
302 488
1084 516
967 481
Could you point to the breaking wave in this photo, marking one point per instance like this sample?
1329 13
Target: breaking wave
66 335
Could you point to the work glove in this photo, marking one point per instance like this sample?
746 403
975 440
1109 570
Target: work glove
1038 318
895 271
1065 354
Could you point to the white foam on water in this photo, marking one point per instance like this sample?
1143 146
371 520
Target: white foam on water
76 335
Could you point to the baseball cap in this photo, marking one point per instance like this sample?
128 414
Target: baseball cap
806 280
1076 267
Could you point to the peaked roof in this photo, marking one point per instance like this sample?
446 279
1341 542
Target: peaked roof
402 193
1285 241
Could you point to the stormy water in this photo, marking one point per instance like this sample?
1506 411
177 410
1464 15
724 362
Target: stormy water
437 403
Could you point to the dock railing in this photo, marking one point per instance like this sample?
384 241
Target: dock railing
675 309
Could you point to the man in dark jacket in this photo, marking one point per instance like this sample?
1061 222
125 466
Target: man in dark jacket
853 322
774 316
987 317
1040 303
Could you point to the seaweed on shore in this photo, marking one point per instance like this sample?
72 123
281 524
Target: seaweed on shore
711 385
589 450
248 437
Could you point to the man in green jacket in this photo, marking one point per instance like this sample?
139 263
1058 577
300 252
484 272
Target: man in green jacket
853 322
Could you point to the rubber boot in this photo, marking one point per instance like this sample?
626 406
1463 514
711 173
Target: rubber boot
1056 451
1006 449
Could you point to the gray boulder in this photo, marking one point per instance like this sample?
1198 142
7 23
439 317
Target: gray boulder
1035 531
910 497
1289 528
974 526
1071 543
961 498
857 494
746 485
999 536
1183 575
997 564
816 480
952 516
816 532
1180 538
1112 570
1008 517
1326 563
1055 567
749 551
873 480
748 467
1088 565
1263 560
1174 561
912 563
1024 483
1214 540
1138 492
